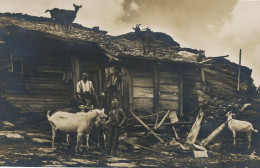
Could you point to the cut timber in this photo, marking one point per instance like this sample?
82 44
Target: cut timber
145 126
207 140
175 132
192 136
164 117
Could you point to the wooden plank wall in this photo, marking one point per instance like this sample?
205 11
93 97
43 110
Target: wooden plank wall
143 88
169 91
41 86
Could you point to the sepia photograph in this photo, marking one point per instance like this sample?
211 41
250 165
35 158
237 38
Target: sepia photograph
130 83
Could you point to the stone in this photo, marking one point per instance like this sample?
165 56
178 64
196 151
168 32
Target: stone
83 161
9 124
46 150
38 140
14 136
121 164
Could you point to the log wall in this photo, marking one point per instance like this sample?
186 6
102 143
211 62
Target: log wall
40 87
143 88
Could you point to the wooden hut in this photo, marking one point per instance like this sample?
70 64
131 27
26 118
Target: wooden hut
40 67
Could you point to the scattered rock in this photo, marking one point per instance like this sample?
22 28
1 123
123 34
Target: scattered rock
14 136
46 150
83 161
2 162
6 123
53 165
70 163
121 164
37 135
38 140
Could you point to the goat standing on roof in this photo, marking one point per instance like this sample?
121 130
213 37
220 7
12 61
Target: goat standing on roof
63 17
146 37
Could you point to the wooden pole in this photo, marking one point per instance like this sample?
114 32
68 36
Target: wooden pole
238 78
131 78
164 117
181 95
145 126
192 136
156 94
175 132
203 74
207 140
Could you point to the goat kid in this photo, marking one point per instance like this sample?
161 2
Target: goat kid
146 37
240 126
80 122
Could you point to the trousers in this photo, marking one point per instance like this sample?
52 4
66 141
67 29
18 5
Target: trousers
113 138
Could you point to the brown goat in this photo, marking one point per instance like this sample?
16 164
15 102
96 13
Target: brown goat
146 37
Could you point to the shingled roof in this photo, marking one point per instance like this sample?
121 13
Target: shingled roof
126 45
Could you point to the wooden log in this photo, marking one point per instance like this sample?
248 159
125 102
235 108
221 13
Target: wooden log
156 93
192 136
238 78
143 81
163 119
131 107
143 102
169 88
156 151
143 92
169 105
168 96
145 126
175 132
181 96
207 140
203 74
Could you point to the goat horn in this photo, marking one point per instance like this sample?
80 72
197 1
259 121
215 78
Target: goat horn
138 25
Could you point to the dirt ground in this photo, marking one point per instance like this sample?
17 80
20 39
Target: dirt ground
28 143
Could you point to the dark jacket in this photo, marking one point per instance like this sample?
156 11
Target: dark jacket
116 117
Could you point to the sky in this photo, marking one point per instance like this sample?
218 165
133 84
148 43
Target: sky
220 27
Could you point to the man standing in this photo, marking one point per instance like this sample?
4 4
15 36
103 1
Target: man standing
113 86
117 118
85 92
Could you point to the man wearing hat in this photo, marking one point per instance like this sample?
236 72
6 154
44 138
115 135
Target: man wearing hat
113 86
85 91
117 118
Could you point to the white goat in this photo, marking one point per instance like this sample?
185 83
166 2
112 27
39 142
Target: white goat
80 122
99 126
240 126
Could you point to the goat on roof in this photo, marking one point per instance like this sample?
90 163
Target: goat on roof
146 37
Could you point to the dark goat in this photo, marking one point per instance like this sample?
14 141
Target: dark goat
63 17
55 12
146 37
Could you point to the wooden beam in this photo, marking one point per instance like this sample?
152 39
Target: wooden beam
175 132
202 74
181 96
131 76
238 78
145 126
207 140
192 136
164 117
100 80
224 56
156 93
